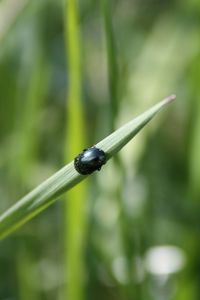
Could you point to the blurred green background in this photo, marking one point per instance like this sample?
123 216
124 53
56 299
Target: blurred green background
70 73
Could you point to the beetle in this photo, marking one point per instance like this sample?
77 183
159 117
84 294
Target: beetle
89 160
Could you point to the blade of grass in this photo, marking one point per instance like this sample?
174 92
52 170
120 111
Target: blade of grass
194 159
111 60
47 192
75 218
29 122
23 161
194 139
116 191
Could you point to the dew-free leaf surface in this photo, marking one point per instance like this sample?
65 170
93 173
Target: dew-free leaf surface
66 178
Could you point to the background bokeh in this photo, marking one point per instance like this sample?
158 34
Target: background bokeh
132 230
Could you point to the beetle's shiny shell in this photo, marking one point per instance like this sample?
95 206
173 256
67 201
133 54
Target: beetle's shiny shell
89 160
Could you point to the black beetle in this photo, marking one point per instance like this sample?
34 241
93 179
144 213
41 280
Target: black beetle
89 160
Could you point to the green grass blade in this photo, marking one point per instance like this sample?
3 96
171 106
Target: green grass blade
114 142
111 53
47 192
74 233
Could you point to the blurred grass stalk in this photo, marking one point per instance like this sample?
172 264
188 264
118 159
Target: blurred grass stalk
117 191
113 88
75 217
194 136
28 133
112 65
29 122
194 158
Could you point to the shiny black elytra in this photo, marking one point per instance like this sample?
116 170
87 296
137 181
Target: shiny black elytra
89 160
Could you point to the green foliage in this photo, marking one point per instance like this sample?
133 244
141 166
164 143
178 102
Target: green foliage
71 72
75 216
47 192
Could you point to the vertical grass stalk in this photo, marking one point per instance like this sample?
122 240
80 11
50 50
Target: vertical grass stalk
112 65
28 138
75 204
113 85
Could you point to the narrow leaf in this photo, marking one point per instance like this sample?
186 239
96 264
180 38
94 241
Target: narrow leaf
48 191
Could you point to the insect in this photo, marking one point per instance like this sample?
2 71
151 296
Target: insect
89 160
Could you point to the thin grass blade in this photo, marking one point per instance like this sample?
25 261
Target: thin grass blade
48 191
